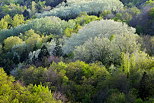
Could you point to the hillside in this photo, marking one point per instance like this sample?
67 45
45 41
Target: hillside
77 51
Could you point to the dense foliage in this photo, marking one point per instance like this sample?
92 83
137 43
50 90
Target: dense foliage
73 8
76 51
103 28
12 91
107 51
144 21
134 2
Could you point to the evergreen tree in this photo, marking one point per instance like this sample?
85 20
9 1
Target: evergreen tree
26 14
43 52
144 87
58 49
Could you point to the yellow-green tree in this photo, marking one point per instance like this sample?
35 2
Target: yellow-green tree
17 20
3 24
12 41
32 39
14 92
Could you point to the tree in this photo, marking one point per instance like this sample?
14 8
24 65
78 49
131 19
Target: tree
74 8
39 6
144 88
33 8
3 24
46 26
26 14
135 61
137 3
8 19
44 52
12 91
102 28
148 44
58 49
17 20
105 50
11 9
143 22
33 40
3 2
77 80
12 41
53 3
116 98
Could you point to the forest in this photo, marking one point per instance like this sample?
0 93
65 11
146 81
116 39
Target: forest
76 51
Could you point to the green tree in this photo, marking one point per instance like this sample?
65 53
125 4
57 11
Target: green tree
116 98
14 92
151 12
3 24
17 20
12 41
58 49
144 88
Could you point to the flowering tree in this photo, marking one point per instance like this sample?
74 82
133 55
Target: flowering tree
74 7
108 51
103 28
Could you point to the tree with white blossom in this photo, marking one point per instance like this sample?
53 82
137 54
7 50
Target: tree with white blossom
74 7
103 28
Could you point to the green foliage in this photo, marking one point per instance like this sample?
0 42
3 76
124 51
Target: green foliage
11 9
7 22
144 21
57 50
80 57
148 44
136 60
149 1
68 32
17 20
72 8
151 12
14 92
126 14
79 22
75 76
3 24
47 25
116 98
32 75
85 19
134 2
145 87
12 41
33 40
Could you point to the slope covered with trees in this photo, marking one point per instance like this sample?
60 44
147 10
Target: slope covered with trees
76 51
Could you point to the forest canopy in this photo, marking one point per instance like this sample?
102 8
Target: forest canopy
76 51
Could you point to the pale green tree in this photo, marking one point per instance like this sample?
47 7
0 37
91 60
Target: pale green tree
102 28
